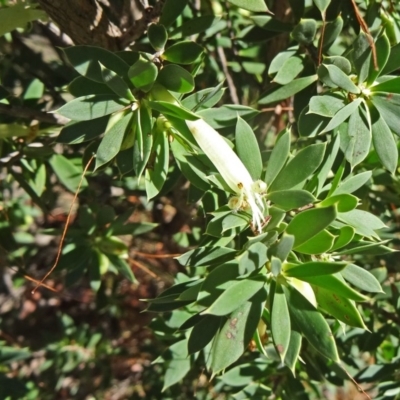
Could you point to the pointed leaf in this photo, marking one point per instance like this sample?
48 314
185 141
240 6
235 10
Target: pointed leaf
321 243
184 52
364 222
248 149
361 278
314 268
251 5
291 199
176 79
158 36
203 332
342 115
171 11
332 74
143 74
388 106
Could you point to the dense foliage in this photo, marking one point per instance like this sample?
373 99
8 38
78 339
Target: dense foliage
256 142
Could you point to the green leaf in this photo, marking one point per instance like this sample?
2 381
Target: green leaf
92 107
322 5
204 99
310 125
293 350
388 106
284 92
82 131
387 86
143 74
206 256
353 183
18 16
355 137
393 62
307 224
278 157
304 32
314 268
171 11
173 110
280 322
203 332
178 366
335 77
142 123
346 235
364 222
248 149
86 59
123 268
184 52
321 243
289 70
361 278
253 258
116 83
198 25
282 249
332 31
362 56
112 140
336 284
344 202
235 335
280 59
82 86
326 105
251 5
339 307
158 36
176 79
305 162
342 115
311 323
291 199
235 296
225 116
156 174
341 62
67 172
383 141
382 46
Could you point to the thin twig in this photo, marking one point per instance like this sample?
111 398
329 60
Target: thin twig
365 29
64 234
229 79
143 267
148 255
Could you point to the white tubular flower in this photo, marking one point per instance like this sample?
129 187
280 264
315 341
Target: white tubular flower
231 169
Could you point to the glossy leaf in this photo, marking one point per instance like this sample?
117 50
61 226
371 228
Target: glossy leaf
86 59
321 243
253 258
282 249
235 296
383 141
176 79
312 324
336 285
173 110
305 162
156 173
344 202
235 335
314 268
143 74
206 256
283 92
361 278
82 86
92 107
204 99
304 32
184 52
345 237
364 222
158 36
291 199
339 307
251 5
293 350
224 116
307 224
278 157
280 322
171 11
67 172
248 149
82 131
116 83
112 140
